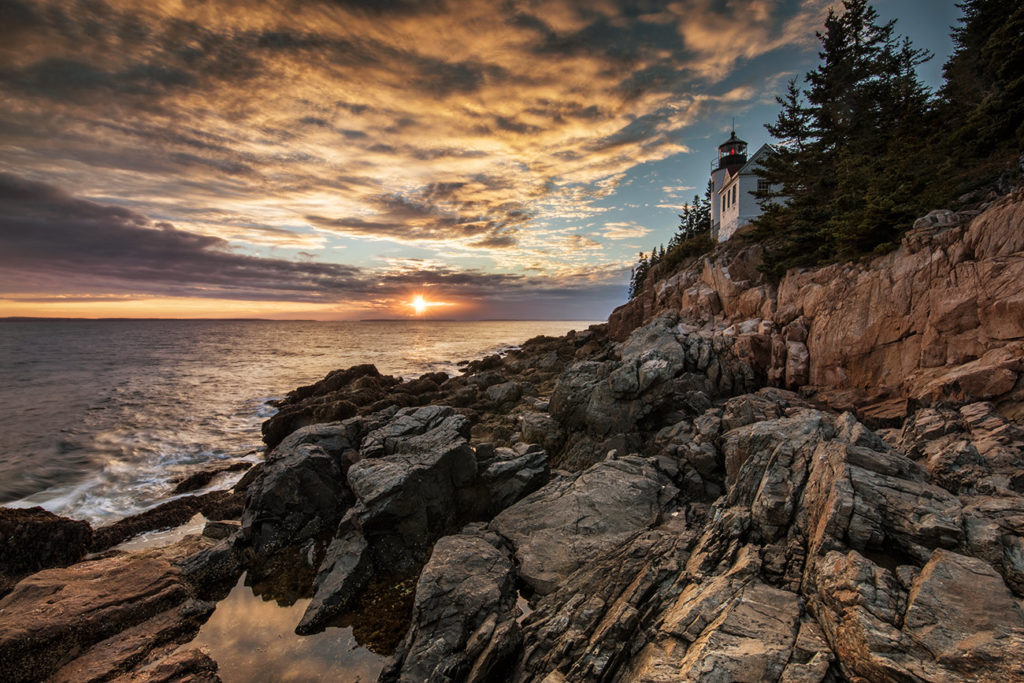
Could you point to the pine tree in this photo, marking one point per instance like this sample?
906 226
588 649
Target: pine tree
695 219
637 275
982 100
846 138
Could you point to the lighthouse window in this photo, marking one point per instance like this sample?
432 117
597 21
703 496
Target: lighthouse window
763 185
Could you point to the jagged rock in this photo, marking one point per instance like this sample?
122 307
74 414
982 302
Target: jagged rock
219 530
200 479
571 396
960 611
764 404
338 396
574 518
589 627
213 571
541 429
970 450
750 639
797 364
510 474
615 396
120 653
872 500
393 434
193 665
299 495
902 324
991 376
464 616
340 440
994 526
345 569
943 218
504 393
416 487
409 495
32 539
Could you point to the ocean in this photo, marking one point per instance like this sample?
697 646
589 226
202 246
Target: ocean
99 418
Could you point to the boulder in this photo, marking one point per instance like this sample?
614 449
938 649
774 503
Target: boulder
298 496
510 474
464 615
542 429
960 611
339 396
504 393
414 484
572 393
33 538
574 518
590 626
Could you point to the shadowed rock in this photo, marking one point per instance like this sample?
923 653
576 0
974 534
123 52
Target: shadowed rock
33 539
463 621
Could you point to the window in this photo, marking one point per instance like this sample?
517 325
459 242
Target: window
763 185
734 189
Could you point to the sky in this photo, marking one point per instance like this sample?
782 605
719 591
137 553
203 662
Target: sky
336 159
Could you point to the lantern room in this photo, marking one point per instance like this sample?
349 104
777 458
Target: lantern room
732 152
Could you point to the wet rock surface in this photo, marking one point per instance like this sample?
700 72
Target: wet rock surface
214 505
97 619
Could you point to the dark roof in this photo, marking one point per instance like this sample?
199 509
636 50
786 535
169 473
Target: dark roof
733 140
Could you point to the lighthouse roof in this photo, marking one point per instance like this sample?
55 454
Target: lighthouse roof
733 140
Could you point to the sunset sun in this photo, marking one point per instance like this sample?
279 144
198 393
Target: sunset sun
419 305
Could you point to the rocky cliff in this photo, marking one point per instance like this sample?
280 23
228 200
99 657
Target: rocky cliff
940 319
731 481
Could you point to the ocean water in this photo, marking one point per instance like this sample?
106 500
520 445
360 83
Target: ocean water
99 418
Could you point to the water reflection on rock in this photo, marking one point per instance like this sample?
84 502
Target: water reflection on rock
254 640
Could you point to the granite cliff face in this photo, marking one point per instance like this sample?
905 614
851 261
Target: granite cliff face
941 319
730 481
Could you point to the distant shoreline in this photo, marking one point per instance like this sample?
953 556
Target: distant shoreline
23 319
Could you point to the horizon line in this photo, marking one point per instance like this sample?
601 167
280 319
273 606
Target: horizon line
26 318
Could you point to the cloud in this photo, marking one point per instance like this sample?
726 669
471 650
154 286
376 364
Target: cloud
69 249
624 231
394 97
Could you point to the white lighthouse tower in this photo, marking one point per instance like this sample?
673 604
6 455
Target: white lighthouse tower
734 181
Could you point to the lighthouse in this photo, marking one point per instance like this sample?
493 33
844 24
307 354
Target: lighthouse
734 181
